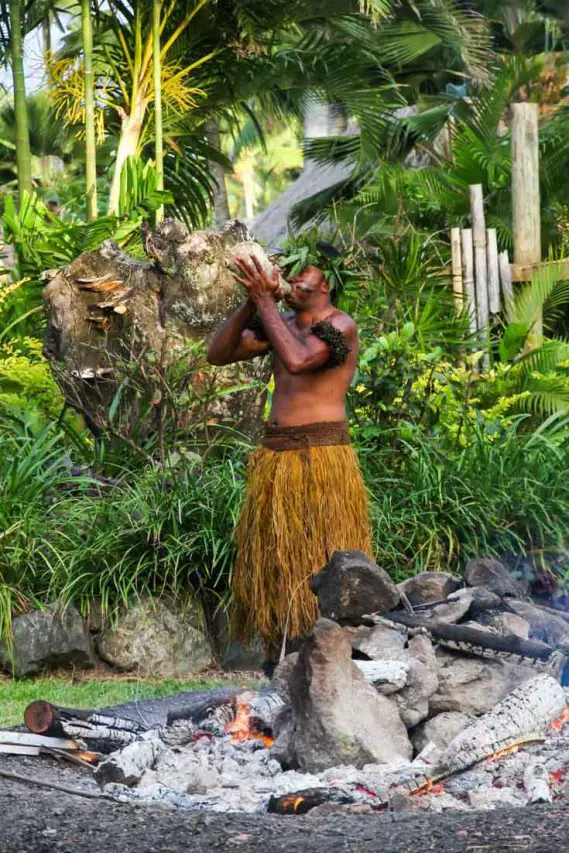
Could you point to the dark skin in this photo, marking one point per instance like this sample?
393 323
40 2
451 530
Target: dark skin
304 391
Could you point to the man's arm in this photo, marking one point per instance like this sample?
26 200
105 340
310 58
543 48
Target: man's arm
299 356
234 342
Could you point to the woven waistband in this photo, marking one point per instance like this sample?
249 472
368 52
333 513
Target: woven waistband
328 433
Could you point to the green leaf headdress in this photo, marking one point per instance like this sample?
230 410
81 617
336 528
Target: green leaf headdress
307 249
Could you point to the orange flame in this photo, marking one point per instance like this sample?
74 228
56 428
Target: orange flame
557 776
508 750
89 757
291 803
240 729
430 787
559 723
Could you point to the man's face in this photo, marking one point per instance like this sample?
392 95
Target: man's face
306 287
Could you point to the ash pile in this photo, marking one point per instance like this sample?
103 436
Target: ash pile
441 693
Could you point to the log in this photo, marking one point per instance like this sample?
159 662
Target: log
493 272
456 254
506 284
468 278
98 732
480 264
536 784
525 192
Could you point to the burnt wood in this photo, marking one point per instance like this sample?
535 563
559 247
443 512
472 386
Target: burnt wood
103 733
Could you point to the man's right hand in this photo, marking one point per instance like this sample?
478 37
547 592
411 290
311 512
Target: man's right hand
257 282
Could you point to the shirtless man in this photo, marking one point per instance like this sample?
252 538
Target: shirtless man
305 497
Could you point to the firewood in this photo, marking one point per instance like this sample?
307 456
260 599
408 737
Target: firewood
102 733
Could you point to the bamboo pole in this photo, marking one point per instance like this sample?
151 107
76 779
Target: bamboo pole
493 271
468 278
90 138
456 254
23 153
480 264
525 194
157 78
506 283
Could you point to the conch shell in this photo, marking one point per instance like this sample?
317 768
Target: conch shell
246 249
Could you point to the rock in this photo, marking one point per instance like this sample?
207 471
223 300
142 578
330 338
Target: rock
429 586
483 600
387 676
509 623
453 609
155 639
48 638
422 681
339 718
352 585
233 656
439 730
484 571
474 686
281 675
379 642
544 626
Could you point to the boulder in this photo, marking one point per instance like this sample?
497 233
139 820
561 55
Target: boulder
338 718
474 685
484 571
157 638
509 623
233 655
281 676
352 585
544 625
429 586
378 642
453 609
422 681
439 730
48 638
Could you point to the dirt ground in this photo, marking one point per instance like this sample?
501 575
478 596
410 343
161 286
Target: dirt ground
37 820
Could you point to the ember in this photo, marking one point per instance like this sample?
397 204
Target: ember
430 787
561 720
240 728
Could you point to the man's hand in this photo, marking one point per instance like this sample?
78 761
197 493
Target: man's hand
256 281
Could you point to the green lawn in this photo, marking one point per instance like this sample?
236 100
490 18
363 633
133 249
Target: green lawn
98 692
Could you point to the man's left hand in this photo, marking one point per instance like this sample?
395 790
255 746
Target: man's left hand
256 281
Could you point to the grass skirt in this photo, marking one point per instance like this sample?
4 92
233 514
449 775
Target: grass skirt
300 507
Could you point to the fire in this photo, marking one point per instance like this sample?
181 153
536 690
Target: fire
240 730
292 803
501 753
557 776
559 723
430 787
89 757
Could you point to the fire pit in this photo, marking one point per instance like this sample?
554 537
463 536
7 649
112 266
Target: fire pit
453 699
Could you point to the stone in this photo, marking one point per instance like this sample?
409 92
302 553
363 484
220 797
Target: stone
387 676
439 730
483 600
233 655
48 638
429 586
281 675
544 626
378 642
484 571
453 609
510 623
338 718
422 681
474 685
155 638
352 585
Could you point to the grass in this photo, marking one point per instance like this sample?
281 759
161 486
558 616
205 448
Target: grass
98 692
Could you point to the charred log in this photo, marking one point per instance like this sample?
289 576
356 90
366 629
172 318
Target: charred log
98 732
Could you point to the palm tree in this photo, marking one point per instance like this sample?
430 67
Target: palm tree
23 153
158 129
90 140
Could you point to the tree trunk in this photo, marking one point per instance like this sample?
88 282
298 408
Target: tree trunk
159 140
46 39
128 147
90 141
220 203
23 153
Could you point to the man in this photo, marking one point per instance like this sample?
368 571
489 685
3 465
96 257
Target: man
305 496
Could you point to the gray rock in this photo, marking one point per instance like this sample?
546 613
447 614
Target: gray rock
453 609
379 642
545 626
338 718
48 638
439 730
155 639
281 675
429 586
484 571
509 623
352 585
422 682
473 685
235 656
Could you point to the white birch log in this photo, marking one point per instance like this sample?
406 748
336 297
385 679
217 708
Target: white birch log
468 278
456 256
480 265
506 284
493 271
